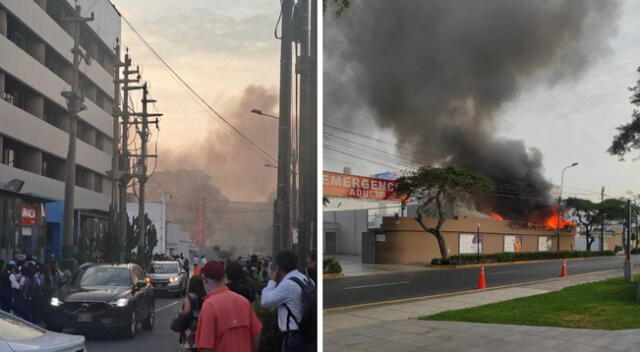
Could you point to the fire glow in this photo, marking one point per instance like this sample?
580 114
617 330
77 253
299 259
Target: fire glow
555 221
550 222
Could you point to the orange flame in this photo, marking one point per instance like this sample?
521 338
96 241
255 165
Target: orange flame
496 216
555 221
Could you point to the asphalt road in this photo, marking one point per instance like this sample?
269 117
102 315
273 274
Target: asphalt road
160 339
387 287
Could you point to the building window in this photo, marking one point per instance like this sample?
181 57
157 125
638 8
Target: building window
9 153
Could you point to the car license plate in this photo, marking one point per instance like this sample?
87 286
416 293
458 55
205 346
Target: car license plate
84 317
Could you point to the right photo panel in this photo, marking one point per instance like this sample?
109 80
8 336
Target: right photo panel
479 167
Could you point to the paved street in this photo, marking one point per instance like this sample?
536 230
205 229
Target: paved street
161 338
387 287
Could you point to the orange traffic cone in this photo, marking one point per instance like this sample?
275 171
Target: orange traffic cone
563 272
482 284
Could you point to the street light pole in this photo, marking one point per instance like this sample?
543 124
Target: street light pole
558 213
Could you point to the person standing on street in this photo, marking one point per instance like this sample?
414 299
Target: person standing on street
191 305
226 322
185 264
203 261
285 292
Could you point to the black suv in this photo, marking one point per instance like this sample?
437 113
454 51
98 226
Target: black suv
103 297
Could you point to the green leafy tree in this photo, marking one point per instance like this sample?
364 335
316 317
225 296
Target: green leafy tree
429 185
628 137
590 214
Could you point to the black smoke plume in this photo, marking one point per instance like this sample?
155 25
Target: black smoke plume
438 73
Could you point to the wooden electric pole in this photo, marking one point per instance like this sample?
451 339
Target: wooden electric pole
141 170
124 175
281 231
75 99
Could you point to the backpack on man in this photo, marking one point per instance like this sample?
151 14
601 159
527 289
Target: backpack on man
308 323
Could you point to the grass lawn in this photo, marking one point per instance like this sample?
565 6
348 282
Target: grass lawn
606 305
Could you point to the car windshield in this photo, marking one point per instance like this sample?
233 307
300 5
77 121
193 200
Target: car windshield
165 268
12 329
105 276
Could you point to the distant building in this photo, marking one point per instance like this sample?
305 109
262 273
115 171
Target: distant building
35 67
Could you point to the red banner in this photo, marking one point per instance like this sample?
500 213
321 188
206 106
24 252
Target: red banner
29 215
361 187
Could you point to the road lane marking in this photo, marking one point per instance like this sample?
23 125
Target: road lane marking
376 285
168 305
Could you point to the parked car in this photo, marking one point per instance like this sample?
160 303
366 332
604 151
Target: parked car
17 335
103 297
168 277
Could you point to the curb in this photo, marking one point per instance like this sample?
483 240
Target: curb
464 266
332 276
413 299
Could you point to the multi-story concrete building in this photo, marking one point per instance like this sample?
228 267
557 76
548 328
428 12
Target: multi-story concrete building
35 67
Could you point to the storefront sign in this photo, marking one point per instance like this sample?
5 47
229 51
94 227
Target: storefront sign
361 187
513 243
29 215
545 243
469 244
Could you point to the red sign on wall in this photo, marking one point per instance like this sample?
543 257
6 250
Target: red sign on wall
362 187
29 215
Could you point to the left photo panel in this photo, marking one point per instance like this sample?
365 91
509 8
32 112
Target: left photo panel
158 175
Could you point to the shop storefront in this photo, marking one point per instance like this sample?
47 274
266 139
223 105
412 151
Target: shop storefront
22 224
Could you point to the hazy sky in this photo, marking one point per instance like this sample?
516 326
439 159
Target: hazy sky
220 48
572 121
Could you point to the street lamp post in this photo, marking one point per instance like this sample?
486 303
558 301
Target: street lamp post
259 112
558 214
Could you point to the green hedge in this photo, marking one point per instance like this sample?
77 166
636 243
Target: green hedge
331 266
502 257
635 251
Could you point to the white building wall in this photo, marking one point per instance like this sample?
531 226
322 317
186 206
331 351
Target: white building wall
50 32
351 225
32 131
48 188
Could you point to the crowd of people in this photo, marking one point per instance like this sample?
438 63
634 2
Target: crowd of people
219 304
27 285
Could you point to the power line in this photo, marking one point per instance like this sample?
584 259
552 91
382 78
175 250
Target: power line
199 98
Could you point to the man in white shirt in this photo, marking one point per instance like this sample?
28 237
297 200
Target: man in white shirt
203 261
285 294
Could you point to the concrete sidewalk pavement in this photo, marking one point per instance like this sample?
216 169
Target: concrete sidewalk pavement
392 327
418 335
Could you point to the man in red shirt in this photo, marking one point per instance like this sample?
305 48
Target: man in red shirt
226 321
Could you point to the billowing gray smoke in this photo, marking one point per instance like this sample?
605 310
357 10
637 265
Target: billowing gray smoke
438 72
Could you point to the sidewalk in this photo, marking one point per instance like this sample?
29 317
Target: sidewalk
392 327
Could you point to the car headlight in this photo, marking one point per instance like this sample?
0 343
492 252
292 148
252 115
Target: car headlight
173 279
121 302
56 302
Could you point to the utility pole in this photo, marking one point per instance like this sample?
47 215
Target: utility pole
75 99
627 244
114 207
306 67
141 169
283 208
125 175
602 222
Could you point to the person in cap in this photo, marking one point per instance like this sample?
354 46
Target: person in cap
226 321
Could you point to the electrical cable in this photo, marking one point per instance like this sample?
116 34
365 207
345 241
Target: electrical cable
265 155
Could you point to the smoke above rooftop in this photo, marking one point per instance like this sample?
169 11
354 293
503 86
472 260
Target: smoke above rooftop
438 73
